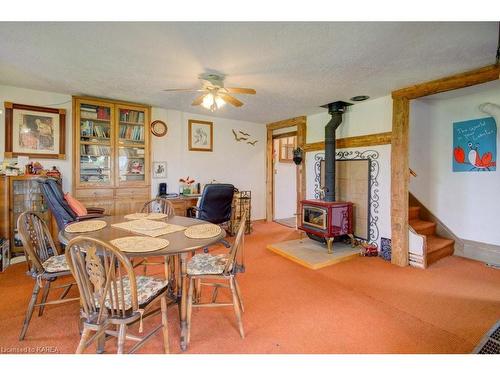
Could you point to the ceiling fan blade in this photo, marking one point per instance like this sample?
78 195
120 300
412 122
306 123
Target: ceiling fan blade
198 100
240 90
230 99
186 90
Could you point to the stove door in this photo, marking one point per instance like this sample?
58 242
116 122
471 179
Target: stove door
315 217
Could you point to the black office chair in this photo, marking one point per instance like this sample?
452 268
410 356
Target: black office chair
52 192
215 205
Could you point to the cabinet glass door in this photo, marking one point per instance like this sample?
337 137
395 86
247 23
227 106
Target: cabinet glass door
26 196
95 143
131 145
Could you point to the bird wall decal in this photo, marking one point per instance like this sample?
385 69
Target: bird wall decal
253 143
237 138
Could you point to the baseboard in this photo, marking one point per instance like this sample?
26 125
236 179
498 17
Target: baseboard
483 252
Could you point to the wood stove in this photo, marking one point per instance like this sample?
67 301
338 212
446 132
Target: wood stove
325 219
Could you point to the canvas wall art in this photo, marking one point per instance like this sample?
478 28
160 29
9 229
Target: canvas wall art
475 145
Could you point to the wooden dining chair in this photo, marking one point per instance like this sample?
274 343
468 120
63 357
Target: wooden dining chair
45 264
163 206
221 267
111 294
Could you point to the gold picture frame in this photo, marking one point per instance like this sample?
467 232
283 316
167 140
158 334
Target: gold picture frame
36 132
200 135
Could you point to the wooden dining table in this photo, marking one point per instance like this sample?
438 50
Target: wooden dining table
179 247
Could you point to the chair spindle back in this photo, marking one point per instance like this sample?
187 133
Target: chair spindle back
37 241
237 247
99 268
160 205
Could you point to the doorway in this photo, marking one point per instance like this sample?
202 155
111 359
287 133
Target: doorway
284 179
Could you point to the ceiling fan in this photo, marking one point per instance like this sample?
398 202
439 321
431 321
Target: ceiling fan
215 95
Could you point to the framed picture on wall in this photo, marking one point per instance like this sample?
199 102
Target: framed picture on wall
160 169
200 135
37 132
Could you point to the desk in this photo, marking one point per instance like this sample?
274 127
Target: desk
182 203
179 245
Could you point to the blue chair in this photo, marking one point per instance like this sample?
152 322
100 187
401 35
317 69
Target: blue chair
52 191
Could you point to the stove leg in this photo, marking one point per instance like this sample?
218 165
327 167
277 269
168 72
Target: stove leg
329 243
353 240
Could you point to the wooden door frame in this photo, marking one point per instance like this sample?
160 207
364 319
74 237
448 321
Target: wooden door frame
301 126
400 171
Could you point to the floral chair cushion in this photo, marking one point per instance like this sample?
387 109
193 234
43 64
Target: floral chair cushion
147 289
207 264
56 263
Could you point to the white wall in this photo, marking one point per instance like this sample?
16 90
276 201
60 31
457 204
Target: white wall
467 203
235 162
285 186
42 99
370 117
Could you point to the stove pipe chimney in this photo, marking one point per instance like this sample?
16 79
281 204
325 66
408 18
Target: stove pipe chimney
336 110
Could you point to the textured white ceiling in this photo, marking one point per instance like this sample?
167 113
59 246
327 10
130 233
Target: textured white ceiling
295 67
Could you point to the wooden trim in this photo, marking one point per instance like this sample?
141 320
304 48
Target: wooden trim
399 150
285 135
358 141
295 121
190 146
454 82
301 124
400 177
112 101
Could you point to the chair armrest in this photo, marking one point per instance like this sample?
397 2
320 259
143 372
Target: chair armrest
95 210
89 216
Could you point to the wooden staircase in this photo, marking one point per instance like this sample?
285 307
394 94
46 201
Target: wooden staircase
435 247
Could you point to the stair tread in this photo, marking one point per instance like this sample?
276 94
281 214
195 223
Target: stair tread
418 224
436 243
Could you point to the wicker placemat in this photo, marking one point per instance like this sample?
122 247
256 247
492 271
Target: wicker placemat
85 226
148 216
138 244
203 231
150 228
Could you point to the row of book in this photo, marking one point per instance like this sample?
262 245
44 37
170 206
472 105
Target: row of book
89 129
95 150
131 116
133 133
95 112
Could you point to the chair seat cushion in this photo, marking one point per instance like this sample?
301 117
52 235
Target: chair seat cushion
207 264
148 288
56 263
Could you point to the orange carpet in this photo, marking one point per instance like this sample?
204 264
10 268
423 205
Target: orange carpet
365 305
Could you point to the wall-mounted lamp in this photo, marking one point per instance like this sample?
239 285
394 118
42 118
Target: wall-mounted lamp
298 154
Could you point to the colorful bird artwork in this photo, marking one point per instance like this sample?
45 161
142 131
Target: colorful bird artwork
474 158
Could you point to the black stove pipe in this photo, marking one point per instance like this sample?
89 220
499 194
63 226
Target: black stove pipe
336 110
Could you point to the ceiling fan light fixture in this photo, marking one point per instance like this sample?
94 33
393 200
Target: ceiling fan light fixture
212 102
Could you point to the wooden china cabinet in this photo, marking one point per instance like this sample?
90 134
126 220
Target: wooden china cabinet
111 163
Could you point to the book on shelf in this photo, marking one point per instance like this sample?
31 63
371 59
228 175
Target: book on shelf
132 132
95 150
131 116
89 129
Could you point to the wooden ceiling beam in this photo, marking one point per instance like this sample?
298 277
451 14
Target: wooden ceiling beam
454 82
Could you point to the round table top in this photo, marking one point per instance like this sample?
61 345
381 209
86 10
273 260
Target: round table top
178 242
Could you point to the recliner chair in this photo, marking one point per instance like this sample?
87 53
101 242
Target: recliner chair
52 191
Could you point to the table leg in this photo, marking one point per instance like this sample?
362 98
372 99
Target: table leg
183 304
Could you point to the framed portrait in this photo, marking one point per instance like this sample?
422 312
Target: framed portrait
37 132
200 135
160 169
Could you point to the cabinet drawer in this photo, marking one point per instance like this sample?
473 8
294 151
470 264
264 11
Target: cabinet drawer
94 193
136 193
